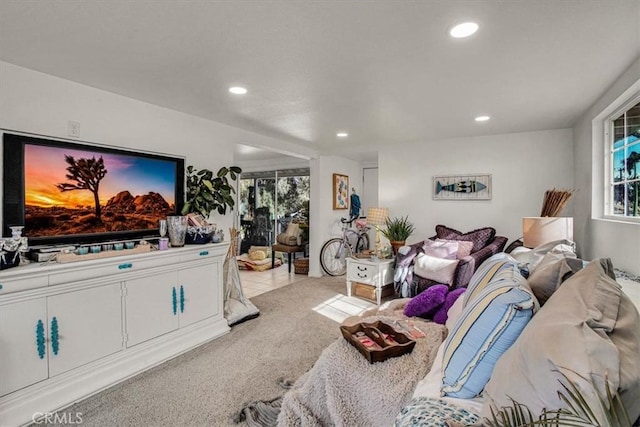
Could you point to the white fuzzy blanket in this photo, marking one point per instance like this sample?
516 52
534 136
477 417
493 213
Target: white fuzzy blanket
344 389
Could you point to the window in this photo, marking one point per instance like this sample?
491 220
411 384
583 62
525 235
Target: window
624 159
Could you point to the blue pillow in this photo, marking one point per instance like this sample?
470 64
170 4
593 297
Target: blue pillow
491 321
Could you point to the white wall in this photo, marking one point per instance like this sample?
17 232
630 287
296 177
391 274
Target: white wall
602 238
523 167
324 222
42 104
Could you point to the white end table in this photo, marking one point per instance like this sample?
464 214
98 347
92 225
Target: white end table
376 273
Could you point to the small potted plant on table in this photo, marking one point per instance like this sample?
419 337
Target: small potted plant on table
397 230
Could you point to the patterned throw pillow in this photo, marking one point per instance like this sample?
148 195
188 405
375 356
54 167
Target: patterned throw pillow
495 313
480 237
425 411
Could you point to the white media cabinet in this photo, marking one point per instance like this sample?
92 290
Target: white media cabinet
70 330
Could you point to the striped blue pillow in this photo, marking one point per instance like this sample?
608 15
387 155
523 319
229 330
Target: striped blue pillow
495 313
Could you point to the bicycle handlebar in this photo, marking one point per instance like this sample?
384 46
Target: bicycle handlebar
348 220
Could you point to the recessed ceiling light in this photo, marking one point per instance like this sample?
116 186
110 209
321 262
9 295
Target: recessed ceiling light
342 134
463 30
238 90
482 118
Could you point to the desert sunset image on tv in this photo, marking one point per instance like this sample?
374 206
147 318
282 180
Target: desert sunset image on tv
69 191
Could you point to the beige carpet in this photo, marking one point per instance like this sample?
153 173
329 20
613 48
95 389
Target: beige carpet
208 385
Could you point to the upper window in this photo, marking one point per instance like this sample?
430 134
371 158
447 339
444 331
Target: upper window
624 152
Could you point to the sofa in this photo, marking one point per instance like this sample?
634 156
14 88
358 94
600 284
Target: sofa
498 343
409 281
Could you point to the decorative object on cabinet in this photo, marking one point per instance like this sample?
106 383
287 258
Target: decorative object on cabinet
12 249
398 230
206 193
177 226
377 217
462 187
340 191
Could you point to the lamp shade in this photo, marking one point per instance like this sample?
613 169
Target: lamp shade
539 230
377 216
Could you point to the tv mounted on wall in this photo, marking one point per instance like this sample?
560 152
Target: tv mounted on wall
74 193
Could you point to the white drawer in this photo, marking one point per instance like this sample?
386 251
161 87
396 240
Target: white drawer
206 251
17 284
111 269
361 272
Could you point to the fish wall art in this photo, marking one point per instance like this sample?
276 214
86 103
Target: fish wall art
462 187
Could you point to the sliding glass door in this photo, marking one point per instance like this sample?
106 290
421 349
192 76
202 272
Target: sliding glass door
269 200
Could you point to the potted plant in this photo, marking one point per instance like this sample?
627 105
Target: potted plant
207 193
397 230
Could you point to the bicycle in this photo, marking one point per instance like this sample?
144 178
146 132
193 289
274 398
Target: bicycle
334 253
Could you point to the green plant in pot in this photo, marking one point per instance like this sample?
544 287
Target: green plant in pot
398 230
206 192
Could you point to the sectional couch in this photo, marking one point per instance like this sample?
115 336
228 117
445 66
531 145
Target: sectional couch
501 343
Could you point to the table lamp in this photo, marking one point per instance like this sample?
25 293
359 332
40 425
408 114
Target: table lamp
377 217
544 229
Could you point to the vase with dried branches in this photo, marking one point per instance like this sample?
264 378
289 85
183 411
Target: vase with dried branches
554 201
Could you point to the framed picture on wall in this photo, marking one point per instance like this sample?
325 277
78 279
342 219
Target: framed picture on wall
462 187
340 191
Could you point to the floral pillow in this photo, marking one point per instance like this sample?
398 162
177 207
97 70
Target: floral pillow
480 237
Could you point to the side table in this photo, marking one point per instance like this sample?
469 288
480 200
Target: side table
376 273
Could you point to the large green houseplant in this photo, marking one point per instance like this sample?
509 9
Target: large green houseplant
206 192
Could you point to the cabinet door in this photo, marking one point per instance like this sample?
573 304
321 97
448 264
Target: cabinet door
84 326
152 306
200 291
23 350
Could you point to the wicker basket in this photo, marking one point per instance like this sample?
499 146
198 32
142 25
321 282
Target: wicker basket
301 266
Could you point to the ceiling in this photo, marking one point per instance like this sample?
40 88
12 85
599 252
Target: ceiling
384 71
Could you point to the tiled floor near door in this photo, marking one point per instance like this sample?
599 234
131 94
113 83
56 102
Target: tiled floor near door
258 282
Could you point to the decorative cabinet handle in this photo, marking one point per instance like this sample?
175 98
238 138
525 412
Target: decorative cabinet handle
361 268
204 253
174 298
55 344
40 339
124 266
362 276
181 299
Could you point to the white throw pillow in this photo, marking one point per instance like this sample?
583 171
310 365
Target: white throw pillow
436 269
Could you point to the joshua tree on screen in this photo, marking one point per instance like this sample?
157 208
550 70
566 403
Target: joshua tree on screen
87 174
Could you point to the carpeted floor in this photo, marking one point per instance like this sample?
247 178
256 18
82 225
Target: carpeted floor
208 385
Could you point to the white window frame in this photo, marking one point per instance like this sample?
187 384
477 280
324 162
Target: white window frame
608 161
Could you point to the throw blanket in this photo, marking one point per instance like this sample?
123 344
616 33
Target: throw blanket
344 389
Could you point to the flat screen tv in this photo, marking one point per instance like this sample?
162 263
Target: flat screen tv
74 193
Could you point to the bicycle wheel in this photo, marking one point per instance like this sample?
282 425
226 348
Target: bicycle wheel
333 257
362 244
